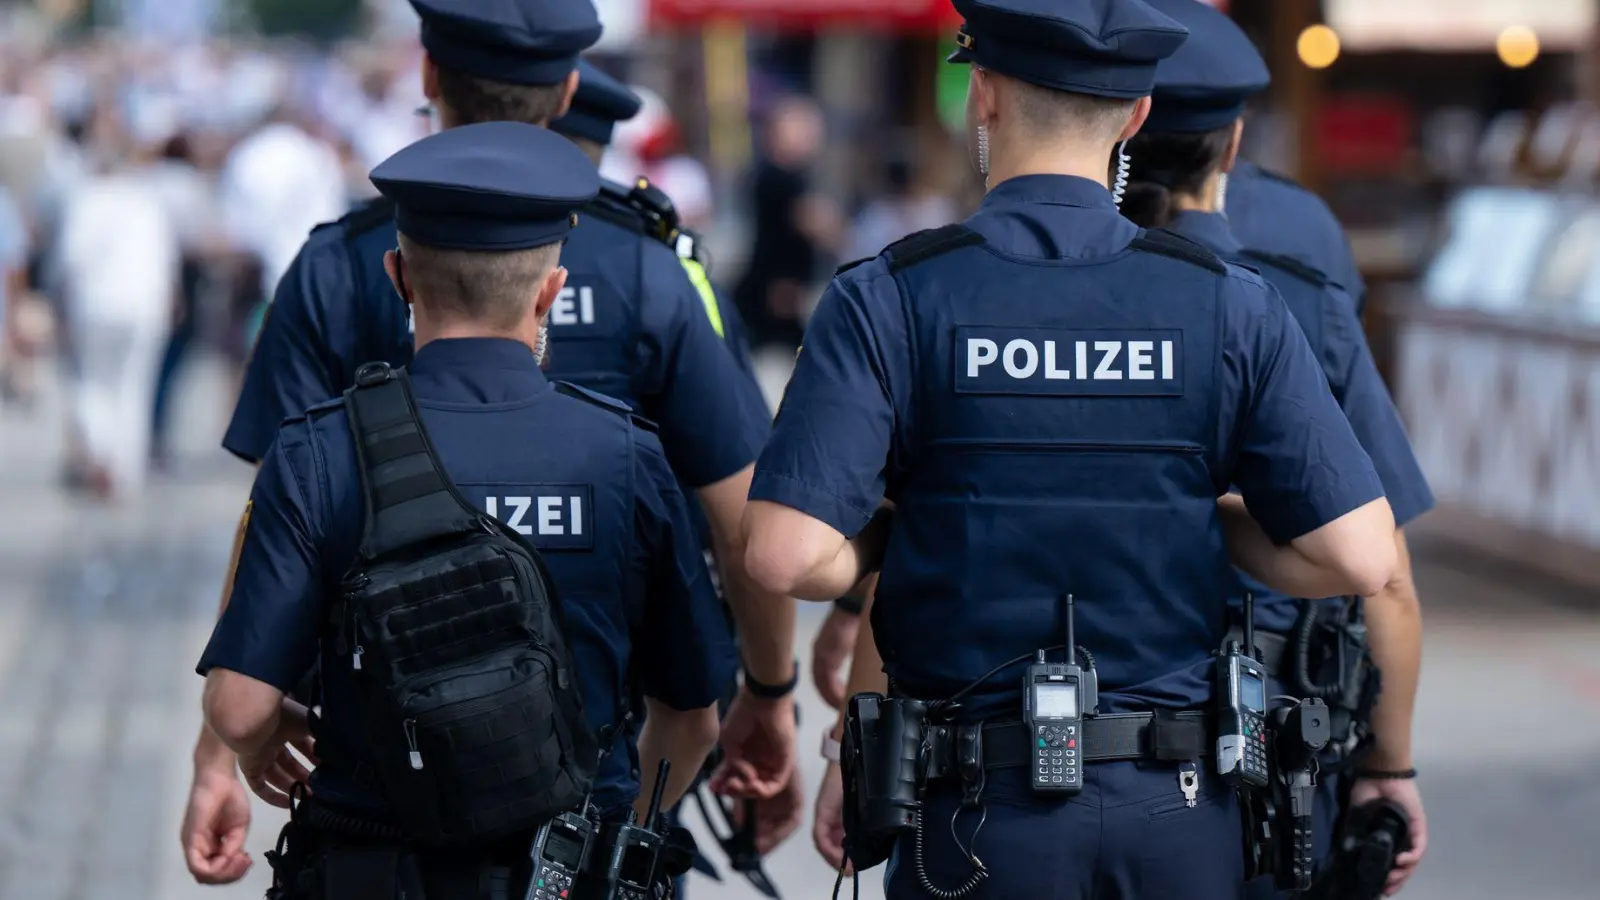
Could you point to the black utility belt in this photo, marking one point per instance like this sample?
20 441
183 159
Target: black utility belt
1116 737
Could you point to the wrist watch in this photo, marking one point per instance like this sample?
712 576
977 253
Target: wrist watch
830 748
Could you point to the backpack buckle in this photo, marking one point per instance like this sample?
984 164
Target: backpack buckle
373 374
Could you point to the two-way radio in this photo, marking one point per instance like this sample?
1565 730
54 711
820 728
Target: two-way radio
560 852
637 852
1242 708
1054 698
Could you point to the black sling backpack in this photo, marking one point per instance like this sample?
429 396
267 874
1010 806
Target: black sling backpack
469 695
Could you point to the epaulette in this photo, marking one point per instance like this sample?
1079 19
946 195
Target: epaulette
925 245
852 264
595 398
367 216
1296 267
321 409
642 208
1167 243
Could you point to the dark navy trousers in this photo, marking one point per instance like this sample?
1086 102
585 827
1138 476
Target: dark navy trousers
1128 836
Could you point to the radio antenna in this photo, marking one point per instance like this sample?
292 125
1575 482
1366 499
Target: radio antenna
1250 624
1072 644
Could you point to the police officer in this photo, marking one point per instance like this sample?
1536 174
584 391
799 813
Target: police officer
1272 212
631 321
1179 160
1055 403
482 211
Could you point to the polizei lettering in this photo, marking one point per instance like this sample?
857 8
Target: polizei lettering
1068 362
553 516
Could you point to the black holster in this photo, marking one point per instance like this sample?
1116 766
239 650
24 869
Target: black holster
1328 658
883 763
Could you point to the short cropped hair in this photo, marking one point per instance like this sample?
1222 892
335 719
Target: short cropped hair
474 100
1049 111
491 288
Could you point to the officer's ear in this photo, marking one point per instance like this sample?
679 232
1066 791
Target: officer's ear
1231 156
569 88
394 265
549 290
980 96
1141 111
430 79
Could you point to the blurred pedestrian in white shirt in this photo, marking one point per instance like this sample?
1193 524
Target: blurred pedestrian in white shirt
117 261
277 185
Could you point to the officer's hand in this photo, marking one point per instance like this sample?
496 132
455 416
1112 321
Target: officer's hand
273 771
830 654
215 826
758 748
1409 798
778 818
827 826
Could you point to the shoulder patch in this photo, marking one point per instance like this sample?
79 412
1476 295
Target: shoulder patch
1297 267
369 215
852 264
925 245
1167 243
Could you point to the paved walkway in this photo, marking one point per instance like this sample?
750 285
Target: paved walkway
103 612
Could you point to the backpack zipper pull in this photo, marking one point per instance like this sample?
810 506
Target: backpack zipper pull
411 743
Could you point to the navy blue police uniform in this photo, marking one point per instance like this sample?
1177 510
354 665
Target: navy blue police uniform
599 502
632 323
1054 401
1274 214
1204 87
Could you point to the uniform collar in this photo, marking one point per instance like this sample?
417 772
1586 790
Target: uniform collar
488 369
1210 230
1064 190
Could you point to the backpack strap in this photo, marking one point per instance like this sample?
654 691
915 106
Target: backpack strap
407 496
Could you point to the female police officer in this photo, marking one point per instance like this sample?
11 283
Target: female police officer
1179 160
1054 404
482 210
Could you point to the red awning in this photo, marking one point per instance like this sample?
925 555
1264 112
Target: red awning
906 15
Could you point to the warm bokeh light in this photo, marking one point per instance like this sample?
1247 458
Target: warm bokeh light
1518 46
1318 46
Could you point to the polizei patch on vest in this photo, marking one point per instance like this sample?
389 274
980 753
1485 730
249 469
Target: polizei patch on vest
551 516
1058 361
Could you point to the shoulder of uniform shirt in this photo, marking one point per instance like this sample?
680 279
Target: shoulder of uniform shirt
1170 244
1284 186
608 403
1293 266
366 216
915 248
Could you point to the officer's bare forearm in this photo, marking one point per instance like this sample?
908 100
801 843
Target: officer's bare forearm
791 553
1394 628
243 712
210 753
866 665
684 737
765 620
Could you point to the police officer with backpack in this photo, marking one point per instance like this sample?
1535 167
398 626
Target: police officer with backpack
631 320
1179 163
1055 404
485 564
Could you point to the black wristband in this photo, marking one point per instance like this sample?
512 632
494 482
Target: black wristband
850 605
1381 775
772 691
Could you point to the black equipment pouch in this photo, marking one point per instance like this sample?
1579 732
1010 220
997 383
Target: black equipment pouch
452 626
881 760
1374 834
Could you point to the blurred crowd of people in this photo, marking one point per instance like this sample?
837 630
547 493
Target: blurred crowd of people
151 197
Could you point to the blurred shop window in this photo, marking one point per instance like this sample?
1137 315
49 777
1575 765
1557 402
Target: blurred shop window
1496 236
1567 266
1450 142
1502 143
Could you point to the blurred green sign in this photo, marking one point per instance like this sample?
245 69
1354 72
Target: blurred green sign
951 91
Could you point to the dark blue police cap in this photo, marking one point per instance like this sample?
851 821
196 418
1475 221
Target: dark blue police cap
1206 84
600 103
1107 48
490 186
512 41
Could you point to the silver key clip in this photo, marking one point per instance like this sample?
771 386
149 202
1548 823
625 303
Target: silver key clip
1189 782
